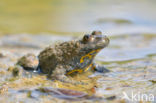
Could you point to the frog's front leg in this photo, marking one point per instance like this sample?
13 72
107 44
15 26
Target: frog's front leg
60 74
99 68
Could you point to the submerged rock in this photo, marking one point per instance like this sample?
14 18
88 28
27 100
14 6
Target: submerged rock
63 93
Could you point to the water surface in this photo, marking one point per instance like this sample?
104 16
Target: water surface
131 55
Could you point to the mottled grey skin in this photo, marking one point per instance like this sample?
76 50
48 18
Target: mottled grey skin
68 58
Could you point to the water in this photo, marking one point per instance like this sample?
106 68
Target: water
57 16
131 55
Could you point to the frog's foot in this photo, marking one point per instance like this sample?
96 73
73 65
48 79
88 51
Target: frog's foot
65 79
100 68
59 74
28 62
72 81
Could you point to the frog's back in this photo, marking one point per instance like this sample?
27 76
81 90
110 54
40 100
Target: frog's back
59 54
44 56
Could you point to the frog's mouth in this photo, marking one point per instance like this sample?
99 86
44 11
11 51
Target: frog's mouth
98 42
103 42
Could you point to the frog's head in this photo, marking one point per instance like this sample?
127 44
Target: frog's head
90 45
95 40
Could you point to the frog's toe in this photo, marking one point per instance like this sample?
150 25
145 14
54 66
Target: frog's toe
101 69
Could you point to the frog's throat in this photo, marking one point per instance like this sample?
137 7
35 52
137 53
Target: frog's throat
90 55
80 70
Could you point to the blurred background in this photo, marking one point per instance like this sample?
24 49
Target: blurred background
73 16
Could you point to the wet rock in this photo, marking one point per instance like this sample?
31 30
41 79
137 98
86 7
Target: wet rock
29 94
16 71
111 98
153 81
109 88
28 62
2 55
3 89
63 93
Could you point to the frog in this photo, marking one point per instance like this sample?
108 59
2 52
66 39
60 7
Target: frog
68 58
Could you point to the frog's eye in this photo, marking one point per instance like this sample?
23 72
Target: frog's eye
96 33
86 37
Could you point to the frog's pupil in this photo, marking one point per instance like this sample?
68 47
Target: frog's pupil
87 36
